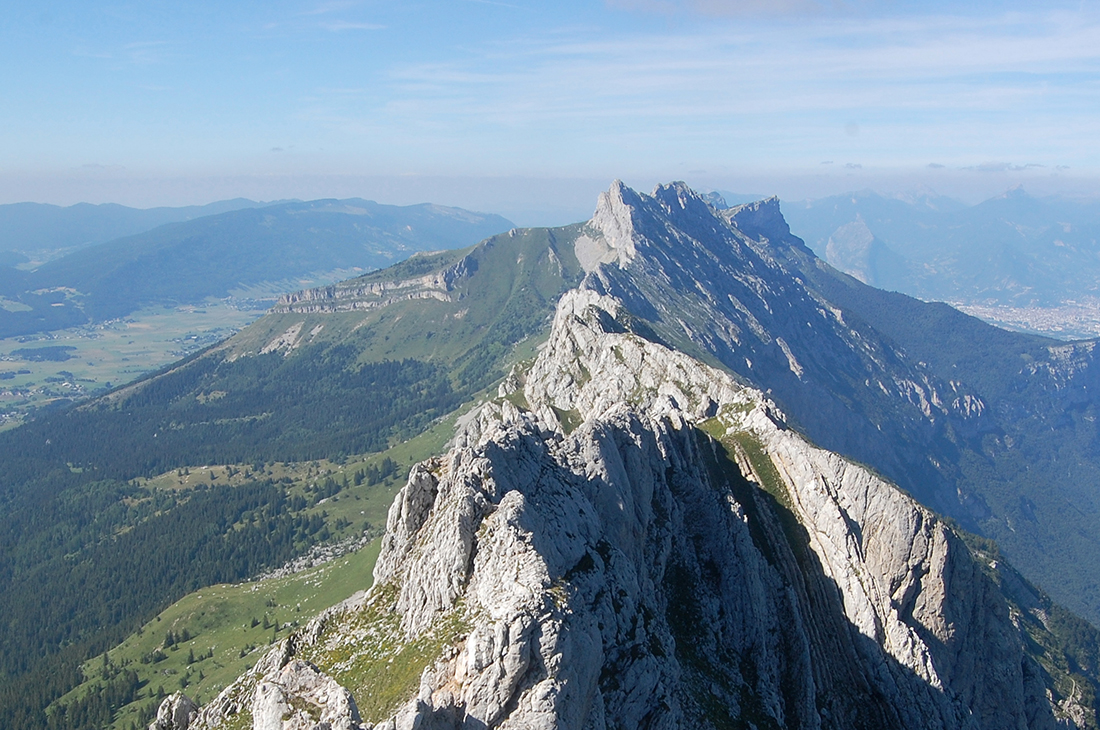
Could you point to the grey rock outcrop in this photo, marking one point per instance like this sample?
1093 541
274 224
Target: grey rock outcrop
355 295
634 539
282 693
176 712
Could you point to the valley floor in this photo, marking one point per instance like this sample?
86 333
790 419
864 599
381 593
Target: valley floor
1071 320
60 367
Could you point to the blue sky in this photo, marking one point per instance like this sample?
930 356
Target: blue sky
529 108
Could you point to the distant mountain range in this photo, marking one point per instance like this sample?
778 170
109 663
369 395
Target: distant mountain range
273 247
1014 249
43 231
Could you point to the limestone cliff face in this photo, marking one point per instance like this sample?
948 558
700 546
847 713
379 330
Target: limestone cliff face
628 538
729 286
355 295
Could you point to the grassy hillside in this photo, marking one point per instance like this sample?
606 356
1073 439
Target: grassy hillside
111 560
205 640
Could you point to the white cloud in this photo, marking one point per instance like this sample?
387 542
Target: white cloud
342 25
943 87
726 8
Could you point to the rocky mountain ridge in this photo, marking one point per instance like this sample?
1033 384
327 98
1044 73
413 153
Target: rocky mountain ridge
992 428
727 287
627 537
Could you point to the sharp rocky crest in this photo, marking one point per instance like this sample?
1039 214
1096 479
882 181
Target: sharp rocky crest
628 536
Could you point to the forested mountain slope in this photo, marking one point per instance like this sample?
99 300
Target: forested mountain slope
72 483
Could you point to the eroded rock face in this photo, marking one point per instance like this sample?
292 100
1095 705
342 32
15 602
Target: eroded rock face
729 285
281 693
175 713
299 697
646 544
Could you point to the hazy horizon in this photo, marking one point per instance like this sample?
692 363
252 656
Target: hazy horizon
530 110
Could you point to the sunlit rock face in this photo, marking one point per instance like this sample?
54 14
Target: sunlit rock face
630 538
627 537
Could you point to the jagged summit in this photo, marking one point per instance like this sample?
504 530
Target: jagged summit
728 287
645 527
916 390
760 219
630 538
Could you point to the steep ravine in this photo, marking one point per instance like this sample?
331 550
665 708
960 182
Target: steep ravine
628 538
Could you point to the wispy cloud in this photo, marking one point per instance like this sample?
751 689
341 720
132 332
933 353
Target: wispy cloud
722 85
727 8
1003 167
339 26
906 87
330 7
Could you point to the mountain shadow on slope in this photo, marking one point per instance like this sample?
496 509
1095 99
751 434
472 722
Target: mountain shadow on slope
993 428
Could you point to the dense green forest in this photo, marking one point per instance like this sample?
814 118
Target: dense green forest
317 404
88 567
87 555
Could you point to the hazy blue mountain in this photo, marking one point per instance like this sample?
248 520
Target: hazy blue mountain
42 228
730 198
276 245
1014 249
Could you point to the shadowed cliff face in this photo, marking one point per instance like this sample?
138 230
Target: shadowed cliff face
995 429
629 538
725 286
